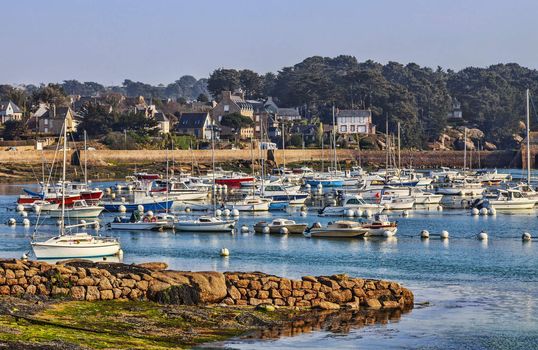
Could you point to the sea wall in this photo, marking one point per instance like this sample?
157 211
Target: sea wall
84 280
426 159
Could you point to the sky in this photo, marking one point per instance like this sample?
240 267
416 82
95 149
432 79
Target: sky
158 41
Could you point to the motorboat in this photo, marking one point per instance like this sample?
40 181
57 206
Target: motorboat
78 245
380 227
233 180
277 225
125 223
390 202
249 204
42 206
338 229
511 200
460 187
354 202
205 224
139 198
79 210
178 190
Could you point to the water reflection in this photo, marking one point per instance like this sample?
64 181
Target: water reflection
341 322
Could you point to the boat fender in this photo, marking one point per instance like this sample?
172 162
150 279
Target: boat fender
153 219
146 219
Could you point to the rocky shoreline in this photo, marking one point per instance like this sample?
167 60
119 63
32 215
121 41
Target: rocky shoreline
85 280
49 306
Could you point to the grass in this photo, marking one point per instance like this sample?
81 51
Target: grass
130 325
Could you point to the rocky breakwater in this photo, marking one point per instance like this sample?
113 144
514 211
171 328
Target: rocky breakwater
85 280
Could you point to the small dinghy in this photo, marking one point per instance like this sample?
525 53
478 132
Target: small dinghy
135 223
380 227
278 226
205 224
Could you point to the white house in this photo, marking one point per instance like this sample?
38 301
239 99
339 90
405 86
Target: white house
354 121
9 111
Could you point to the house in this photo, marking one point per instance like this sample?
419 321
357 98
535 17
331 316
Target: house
309 132
232 103
288 114
354 121
200 125
245 133
9 111
51 119
163 122
456 112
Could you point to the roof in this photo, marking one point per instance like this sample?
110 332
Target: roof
61 113
354 113
5 104
288 112
192 120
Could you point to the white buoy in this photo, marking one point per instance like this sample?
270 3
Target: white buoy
349 213
388 234
319 186
113 196
122 199
424 234
58 222
266 230
20 207
24 214
358 213
484 211
83 223
122 208
284 230
405 213
439 207
149 213
367 213
218 212
475 211
492 211
224 188
12 222
308 187
526 236
386 206
140 208
444 234
235 212
119 188
25 222
108 190
224 252
130 188
120 254
187 209
24 256
226 212
244 229
482 236
304 213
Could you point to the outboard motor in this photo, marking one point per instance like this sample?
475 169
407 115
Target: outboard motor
479 203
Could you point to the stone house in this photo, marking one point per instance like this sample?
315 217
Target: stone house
354 121
51 119
163 123
199 125
232 103
288 114
9 111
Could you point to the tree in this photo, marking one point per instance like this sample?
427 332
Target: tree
251 83
14 129
51 94
236 121
202 98
96 121
223 80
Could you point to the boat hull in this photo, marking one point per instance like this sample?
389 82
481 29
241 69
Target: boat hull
292 229
76 213
335 233
138 226
46 251
129 207
225 226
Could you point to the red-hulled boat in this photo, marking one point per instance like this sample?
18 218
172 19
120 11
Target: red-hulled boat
233 181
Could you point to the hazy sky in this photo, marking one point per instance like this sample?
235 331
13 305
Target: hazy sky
158 41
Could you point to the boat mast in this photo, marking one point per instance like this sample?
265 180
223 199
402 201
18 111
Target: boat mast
464 149
387 141
168 185
62 224
399 146
85 160
283 146
334 143
528 142
213 196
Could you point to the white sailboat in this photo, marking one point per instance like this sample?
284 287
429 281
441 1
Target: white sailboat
73 245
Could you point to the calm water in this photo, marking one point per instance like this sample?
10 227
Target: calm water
482 295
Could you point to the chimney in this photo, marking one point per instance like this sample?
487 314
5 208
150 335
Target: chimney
226 95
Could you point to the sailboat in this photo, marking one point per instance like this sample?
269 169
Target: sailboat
68 245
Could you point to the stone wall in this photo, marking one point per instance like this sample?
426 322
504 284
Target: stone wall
84 280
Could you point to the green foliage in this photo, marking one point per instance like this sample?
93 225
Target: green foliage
236 121
14 129
89 88
223 79
202 98
119 140
96 120
18 96
296 140
52 94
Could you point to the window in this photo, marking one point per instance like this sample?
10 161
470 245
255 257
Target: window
46 121
343 128
226 108
352 128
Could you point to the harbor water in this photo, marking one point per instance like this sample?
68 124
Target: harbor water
470 294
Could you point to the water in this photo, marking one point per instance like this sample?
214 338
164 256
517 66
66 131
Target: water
482 295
